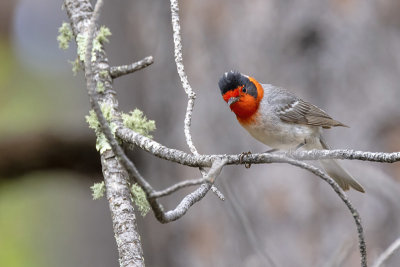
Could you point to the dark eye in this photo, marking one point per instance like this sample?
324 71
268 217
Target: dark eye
244 90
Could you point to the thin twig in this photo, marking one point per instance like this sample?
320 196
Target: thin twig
176 28
198 194
339 191
177 186
218 193
209 178
387 253
347 154
119 71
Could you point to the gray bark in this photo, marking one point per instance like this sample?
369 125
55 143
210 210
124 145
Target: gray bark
115 176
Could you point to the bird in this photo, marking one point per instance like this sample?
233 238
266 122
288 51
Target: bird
281 120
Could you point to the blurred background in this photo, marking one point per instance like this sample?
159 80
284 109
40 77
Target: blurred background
342 55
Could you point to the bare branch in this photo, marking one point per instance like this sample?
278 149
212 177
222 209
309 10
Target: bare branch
198 194
387 253
176 27
190 199
209 178
339 191
217 193
177 186
187 202
347 154
119 71
183 158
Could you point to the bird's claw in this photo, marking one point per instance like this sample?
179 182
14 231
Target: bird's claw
246 165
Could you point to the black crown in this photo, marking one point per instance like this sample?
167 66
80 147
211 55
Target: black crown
230 80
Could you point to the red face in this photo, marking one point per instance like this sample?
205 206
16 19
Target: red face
243 104
234 94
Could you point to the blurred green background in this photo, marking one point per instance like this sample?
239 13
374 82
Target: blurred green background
342 55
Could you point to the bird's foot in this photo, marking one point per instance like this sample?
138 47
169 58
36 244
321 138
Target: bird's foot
247 165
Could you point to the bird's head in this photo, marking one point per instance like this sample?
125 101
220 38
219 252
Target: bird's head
242 93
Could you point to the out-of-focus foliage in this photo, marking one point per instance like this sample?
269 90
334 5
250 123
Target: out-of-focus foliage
41 221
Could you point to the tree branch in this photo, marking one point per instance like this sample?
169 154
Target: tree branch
177 186
125 228
176 27
116 178
191 160
198 194
339 191
119 71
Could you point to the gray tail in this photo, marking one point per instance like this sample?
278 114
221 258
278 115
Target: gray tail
339 174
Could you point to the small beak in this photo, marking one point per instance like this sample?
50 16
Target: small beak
233 100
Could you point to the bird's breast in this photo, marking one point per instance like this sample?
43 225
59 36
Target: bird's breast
273 132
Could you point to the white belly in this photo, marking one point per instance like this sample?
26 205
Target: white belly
285 136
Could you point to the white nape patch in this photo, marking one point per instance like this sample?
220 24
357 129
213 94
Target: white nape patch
226 74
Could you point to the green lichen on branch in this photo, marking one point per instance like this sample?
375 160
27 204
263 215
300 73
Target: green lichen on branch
101 141
65 36
138 122
81 42
76 66
100 87
104 32
98 190
103 74
140 200
98 41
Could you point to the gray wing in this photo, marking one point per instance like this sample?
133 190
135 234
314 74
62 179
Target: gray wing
294 110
